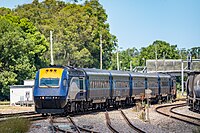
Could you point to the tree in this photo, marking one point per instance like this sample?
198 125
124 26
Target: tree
21 51
163 50
195 51
126 57
76 28
4 11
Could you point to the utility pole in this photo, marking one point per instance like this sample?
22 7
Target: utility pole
100 51
182 76
131 68
156 57
117 58
51 43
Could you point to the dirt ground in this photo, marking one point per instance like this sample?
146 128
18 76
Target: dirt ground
5 109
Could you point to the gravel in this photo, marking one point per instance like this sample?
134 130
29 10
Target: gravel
40 127
97 122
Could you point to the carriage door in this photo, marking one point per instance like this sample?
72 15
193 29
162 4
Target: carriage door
77 88
82 87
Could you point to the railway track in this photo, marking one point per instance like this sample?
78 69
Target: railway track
32 116
108 122
130 124
168 110
75 128
17 114
78 128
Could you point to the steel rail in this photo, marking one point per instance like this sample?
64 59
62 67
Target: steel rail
109 123
55 128
188 116
17 114
174 117
29 117
130 124
76 127
86 130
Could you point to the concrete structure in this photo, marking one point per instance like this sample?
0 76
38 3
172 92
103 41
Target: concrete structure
22 94
174 67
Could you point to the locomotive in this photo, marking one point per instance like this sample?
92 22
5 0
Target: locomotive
66 89
193 91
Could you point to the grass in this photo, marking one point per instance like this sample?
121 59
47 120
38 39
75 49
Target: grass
142 116
196 130
179 94
15 125
4 102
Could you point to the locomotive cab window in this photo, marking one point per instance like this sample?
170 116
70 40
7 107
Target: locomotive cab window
49 82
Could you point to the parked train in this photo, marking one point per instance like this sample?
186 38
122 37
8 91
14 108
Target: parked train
193 91
65 89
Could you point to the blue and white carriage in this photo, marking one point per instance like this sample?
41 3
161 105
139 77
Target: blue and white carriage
79 89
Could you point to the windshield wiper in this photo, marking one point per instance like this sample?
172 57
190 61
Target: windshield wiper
45 85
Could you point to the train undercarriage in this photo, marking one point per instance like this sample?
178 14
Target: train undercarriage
194 104
83 105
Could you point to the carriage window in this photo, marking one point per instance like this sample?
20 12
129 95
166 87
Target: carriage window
99 84
65 82
165 83
138 83
81 83
153 84
121 84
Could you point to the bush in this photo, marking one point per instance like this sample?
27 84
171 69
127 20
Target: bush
15 125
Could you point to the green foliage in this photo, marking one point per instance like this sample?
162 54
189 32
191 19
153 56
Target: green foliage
24 33
75 28
21 51
195 51
163 49
4 11
15 125
126 57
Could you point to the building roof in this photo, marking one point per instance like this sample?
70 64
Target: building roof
20 86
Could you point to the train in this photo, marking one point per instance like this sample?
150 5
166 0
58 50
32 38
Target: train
193 91
60 89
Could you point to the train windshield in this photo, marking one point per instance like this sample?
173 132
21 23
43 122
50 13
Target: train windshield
49 82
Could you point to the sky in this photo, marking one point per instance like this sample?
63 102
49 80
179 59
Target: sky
138 23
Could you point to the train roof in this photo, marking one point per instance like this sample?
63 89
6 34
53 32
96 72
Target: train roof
137 74
161 75
119 73
93 71
155 75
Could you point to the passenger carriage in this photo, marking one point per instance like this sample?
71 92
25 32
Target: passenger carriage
64 89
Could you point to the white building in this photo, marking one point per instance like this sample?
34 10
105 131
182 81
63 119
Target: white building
21 94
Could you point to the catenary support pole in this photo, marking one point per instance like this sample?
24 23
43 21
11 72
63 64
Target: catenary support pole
182 77
131 68
51 43
117 58
100 51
